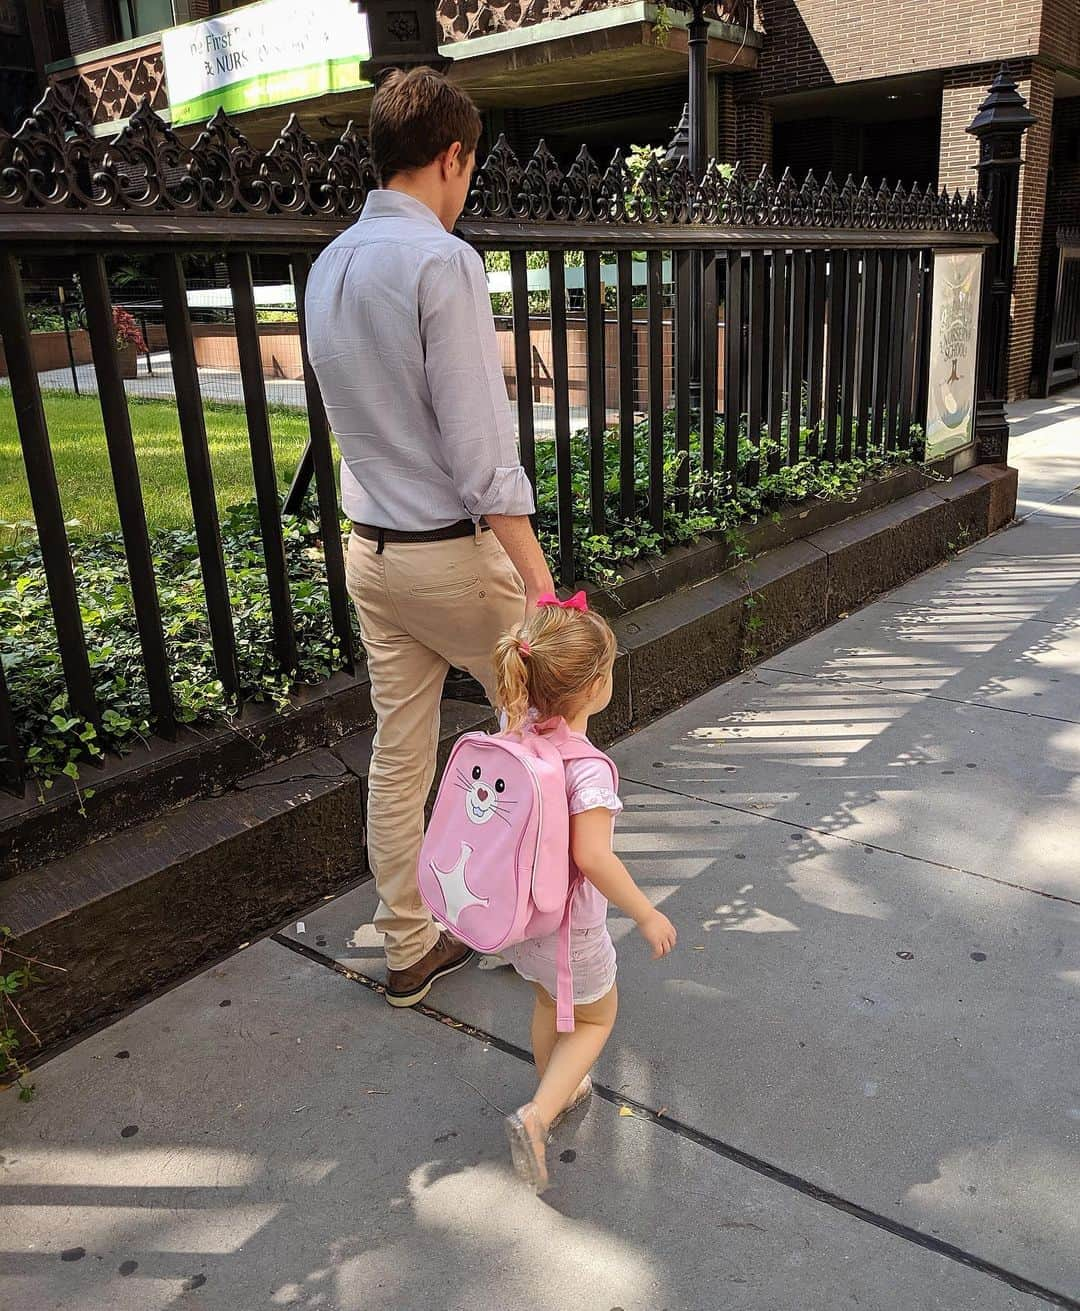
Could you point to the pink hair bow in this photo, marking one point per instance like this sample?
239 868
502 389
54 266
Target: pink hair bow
576 602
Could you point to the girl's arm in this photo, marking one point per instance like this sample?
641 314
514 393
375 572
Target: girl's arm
590 845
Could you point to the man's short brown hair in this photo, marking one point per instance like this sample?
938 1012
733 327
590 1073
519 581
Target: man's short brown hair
415 117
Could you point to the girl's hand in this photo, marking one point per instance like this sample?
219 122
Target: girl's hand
659 932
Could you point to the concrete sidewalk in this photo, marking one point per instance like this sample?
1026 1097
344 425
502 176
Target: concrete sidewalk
854 1085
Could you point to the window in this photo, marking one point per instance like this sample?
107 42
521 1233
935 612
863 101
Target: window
140 17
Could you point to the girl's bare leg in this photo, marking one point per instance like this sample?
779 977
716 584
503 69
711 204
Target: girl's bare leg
572 1055
543 1030
563 1061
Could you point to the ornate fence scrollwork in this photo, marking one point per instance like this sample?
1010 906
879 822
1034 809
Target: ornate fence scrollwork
54 162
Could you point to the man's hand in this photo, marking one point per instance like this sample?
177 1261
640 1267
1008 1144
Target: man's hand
532 596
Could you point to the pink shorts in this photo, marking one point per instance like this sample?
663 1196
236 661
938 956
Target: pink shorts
592 962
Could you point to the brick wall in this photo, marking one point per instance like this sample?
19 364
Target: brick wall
1038 90
753 123
89 24
727 140
904 151
813 43
1060 37
963 91
826 145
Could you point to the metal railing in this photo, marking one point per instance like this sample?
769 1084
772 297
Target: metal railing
1063 350
822 293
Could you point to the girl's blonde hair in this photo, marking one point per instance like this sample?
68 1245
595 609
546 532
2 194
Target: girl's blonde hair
550 662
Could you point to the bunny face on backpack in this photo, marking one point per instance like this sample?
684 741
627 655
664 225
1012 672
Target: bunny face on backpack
495 864
485 798
474 841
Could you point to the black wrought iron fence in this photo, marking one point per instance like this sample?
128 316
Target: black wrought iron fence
813 310
1063 350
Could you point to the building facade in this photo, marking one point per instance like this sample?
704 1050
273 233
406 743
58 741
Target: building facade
855 87
890 90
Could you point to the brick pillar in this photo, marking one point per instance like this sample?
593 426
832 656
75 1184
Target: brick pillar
715 100
753 124
1038 91
727 140
89 24
39 39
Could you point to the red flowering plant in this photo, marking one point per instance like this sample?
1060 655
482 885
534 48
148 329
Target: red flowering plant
127 331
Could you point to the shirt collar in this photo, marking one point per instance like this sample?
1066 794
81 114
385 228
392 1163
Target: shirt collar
396 204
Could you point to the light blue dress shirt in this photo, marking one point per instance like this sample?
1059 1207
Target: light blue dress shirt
402 340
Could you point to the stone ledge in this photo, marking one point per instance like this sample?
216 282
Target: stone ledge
151 780
147 906
135 913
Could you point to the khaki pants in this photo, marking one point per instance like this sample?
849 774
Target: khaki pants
423 607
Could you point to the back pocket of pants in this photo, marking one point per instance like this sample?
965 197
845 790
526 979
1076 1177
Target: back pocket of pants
446 590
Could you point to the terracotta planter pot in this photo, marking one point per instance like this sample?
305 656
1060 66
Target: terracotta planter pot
129 361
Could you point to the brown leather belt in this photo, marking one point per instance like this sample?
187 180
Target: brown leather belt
463 528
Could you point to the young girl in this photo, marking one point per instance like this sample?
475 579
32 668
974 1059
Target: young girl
557 666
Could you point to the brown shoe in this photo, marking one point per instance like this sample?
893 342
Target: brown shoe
407 987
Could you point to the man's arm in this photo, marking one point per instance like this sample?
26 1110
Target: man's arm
468 395
515 533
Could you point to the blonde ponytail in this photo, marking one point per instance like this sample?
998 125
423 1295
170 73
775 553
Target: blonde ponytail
512 679
549 663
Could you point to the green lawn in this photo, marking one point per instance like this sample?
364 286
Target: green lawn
82 460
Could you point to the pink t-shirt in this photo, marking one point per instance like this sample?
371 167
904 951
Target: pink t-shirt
589 786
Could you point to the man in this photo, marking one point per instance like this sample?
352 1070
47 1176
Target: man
442 558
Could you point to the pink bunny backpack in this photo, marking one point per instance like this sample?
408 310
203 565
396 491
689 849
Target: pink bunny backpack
494 867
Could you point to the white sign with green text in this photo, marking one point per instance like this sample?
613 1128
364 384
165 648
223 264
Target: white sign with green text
269 53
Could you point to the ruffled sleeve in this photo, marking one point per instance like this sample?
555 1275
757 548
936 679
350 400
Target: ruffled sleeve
589 787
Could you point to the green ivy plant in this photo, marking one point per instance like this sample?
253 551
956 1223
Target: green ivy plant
716 503
61 742
662 24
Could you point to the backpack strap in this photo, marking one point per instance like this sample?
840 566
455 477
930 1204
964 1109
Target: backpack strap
572 748
564 989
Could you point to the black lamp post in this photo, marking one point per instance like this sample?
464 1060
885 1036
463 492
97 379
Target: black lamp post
699 90
691 142
1000 124
692 134
404 34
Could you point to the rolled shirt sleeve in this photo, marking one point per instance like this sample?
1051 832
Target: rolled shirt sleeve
468 394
